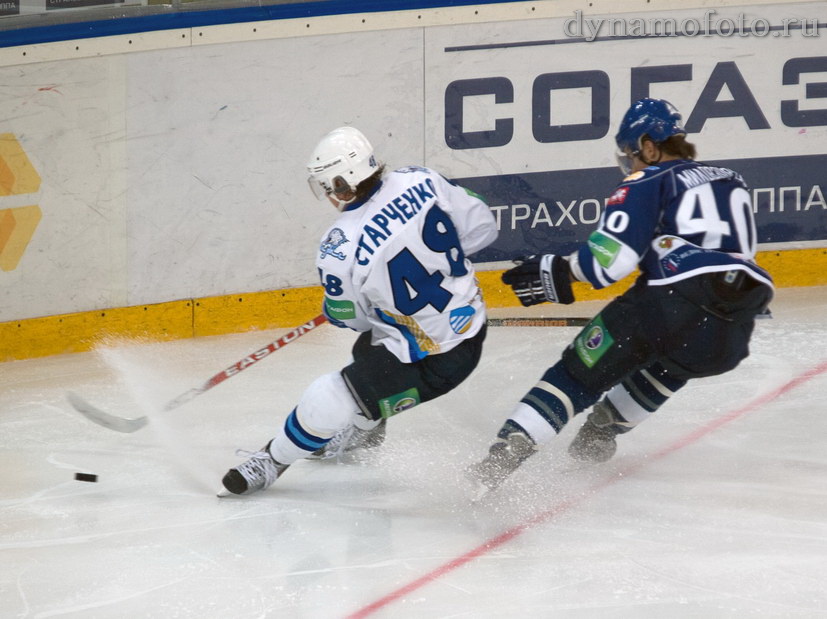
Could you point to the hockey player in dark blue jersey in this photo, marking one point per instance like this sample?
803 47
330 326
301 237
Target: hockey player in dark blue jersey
688 227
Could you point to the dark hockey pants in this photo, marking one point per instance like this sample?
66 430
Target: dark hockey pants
695 328
383 386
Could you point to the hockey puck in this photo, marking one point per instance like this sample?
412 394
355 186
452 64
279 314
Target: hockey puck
86 477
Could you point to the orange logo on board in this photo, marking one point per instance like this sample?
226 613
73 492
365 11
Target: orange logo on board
17 225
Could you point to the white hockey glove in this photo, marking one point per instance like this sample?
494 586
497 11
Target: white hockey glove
537 279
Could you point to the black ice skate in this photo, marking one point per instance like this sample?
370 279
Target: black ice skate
513 447
595 442
351 439
257 473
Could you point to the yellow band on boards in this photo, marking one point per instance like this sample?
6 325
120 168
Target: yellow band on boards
82 331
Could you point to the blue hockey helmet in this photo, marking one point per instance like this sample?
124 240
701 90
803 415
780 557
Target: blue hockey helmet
656 118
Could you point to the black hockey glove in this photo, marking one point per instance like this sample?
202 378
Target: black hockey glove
537 279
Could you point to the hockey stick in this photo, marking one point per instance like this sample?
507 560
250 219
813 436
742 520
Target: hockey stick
538 322
129 425
126 425
570 321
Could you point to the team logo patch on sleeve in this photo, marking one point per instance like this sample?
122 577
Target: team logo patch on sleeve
618 197
603 248
334 240
340 310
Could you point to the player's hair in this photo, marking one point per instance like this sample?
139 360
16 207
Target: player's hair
366 187
677 146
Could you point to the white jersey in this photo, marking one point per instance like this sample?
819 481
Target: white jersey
396 264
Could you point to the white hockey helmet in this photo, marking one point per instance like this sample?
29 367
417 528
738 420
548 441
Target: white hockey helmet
341 160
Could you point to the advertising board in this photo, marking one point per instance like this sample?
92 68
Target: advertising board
525 113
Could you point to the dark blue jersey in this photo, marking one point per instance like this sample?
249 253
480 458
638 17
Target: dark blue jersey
706 211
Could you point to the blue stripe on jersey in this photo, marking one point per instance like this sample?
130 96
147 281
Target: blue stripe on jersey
664 266
416 353
300 437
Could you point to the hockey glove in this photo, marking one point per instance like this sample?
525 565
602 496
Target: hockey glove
537 279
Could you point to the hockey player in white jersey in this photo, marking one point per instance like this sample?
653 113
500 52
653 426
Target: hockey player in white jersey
394 267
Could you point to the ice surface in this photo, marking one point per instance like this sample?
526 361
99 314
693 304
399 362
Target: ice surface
715 507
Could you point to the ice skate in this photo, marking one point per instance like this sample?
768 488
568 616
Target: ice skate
351 439
257 473
504 457
595 442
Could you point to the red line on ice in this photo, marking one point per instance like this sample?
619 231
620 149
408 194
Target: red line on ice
565 506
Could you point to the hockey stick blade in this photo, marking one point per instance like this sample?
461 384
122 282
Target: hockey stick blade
102 418
183 398
538 322
122 424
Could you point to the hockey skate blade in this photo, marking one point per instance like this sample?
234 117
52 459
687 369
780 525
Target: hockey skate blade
476 490
479 493
223 493
102 418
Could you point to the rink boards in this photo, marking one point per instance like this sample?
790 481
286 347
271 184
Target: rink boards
153 183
